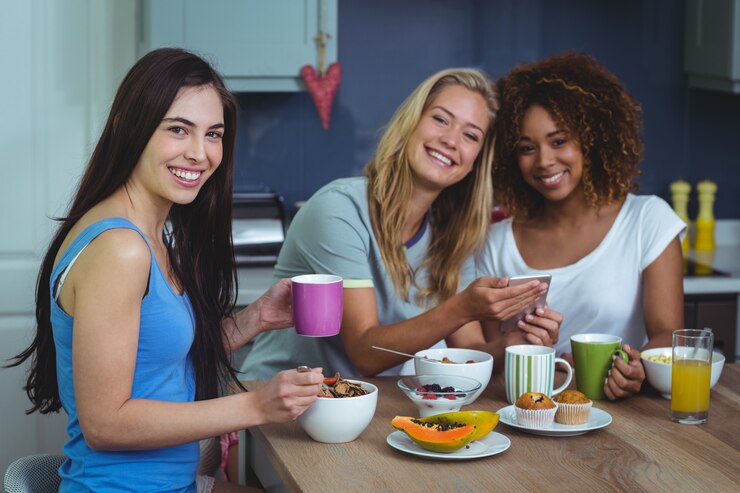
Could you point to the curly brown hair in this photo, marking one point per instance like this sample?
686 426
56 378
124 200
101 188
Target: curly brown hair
588 101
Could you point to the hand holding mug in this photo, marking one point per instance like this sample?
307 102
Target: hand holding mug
275 307
592 355
625 378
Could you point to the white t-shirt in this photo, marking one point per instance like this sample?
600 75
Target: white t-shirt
602 292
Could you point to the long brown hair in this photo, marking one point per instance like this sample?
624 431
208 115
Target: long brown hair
461 213
199 239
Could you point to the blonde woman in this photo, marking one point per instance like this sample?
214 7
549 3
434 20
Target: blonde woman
403 237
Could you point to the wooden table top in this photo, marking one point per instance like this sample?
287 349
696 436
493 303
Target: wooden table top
641 450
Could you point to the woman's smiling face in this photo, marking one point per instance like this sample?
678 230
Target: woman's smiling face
185 148
549 157
448 138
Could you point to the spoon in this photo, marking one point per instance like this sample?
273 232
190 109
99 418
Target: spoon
304 369
406 354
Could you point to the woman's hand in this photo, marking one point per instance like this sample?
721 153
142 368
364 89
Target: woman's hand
625 379
288 394
541 328
275 307
490 298
272 310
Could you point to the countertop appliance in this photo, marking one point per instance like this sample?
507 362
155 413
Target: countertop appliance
258 227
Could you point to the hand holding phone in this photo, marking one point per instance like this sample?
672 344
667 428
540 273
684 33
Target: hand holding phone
510 323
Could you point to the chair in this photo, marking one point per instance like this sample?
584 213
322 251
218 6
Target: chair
38 473
34 474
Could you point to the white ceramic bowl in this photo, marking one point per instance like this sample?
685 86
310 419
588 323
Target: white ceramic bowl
479 368
340 420
432 402
659 374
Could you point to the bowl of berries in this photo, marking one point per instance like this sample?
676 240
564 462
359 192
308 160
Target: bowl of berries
435 394
469 363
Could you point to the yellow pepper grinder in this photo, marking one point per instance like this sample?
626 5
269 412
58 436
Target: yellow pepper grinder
705 219
680 195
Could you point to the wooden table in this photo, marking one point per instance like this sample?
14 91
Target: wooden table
641 450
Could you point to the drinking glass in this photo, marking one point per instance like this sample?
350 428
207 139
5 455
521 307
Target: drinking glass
691 369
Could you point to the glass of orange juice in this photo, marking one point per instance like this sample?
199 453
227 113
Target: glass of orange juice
691 369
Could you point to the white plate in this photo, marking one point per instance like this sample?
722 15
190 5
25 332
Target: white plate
491 444
596 419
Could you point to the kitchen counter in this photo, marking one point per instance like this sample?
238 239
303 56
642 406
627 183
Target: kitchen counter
725 258
253 281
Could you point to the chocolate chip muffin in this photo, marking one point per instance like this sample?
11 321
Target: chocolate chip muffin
535 410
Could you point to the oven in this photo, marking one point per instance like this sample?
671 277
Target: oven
258 227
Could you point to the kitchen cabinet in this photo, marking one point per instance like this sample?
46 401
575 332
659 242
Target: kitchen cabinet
256 45
712 44
718 312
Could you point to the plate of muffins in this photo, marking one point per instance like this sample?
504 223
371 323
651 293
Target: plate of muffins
569 413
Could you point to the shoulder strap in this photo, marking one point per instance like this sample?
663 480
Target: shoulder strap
81 242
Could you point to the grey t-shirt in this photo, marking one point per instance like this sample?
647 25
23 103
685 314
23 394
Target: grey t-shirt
332 234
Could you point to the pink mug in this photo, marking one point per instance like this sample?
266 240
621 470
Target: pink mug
317 304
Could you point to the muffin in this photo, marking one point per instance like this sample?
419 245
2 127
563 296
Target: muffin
573 408
535 409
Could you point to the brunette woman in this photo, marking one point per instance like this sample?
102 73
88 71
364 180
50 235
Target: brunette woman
135 296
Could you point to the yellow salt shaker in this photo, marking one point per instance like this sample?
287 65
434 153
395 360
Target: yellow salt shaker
704 241
680 196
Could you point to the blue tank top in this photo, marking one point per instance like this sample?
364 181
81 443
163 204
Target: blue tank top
163 372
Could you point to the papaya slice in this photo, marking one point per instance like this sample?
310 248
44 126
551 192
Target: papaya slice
435 437
484 421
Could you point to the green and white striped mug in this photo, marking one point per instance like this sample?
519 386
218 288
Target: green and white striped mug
532 369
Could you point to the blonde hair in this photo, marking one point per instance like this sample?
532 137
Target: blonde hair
461 213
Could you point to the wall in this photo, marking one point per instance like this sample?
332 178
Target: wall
65 59
386 47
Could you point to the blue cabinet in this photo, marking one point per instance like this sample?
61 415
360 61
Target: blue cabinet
257 45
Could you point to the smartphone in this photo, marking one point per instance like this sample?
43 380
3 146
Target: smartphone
510 323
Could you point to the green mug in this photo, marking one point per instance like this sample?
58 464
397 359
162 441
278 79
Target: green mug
592 358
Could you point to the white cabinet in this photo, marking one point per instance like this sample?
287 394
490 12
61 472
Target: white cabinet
257 45
63 61
712 44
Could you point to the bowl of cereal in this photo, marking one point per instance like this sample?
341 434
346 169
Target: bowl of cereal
469 363
341 415
657 364
436 394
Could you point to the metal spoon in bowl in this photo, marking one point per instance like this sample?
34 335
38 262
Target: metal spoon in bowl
407 355
304 369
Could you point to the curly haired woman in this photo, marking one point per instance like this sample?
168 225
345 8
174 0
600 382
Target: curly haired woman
568 144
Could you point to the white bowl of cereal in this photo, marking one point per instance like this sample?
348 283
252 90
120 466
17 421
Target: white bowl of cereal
340 419
657 364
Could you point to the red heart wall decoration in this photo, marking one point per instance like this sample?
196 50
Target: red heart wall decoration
323 89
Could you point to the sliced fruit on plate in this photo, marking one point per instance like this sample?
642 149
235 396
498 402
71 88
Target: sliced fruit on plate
436 437
484 421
